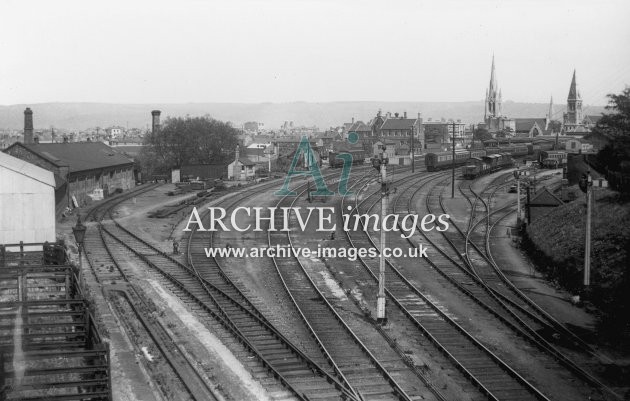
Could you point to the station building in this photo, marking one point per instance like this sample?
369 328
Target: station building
27 202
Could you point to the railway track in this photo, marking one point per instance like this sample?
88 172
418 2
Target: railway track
492 376
352 359
492 293
549 332
103 257
278 362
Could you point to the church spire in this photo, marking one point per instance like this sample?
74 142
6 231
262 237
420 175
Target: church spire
574 94
550 113
485 107
493 80
573 116
493 95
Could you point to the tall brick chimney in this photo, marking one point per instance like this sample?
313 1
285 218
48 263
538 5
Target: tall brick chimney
28 126
155 121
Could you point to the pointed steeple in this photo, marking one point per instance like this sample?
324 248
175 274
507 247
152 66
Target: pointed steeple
573 117
485 107
493 80
573 91
550 113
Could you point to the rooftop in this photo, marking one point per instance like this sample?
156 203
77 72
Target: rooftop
27 169
79 156
398 123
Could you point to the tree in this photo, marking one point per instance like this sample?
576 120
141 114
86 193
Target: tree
188 140
614 128
555 125
506 132
481 134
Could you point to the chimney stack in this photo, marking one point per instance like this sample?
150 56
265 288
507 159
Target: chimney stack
28 126
405 114
155 121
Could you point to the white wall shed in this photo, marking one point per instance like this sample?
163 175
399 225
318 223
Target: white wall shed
27 202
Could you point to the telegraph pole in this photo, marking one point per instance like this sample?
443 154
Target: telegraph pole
413 164
517 175
587 247
453 165
381 318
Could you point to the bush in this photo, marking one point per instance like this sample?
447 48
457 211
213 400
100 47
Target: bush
556 245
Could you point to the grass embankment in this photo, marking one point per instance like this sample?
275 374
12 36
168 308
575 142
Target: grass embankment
556 243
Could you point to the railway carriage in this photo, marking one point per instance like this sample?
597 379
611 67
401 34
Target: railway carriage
520 150
478 153
491 143
440 160
553 158
492 150
358 157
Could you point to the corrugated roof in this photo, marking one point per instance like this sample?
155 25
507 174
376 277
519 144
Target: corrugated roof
27 169
80 156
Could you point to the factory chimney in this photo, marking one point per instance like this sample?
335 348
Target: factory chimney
237 168
28 126
155 121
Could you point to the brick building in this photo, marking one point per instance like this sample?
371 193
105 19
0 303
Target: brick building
78 168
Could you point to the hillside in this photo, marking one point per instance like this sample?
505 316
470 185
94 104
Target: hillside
75 116
556 243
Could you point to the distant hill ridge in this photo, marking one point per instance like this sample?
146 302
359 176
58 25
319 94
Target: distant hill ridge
76 116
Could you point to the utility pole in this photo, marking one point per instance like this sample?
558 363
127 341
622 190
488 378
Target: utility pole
453 165
381 165
529 210
587 247
413 164
517 175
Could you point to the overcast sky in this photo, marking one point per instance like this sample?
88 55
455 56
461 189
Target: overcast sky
309 50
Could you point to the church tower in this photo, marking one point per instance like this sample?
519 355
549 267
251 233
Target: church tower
493 95
574 103
573 118
493 114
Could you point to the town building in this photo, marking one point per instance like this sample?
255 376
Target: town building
27 202
573 121
79 168
397 129
438 135
241 169
578 145
288 145
531 127
590 121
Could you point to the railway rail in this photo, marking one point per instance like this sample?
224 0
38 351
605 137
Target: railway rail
526 321
205 284
491 375
103 258
353 361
